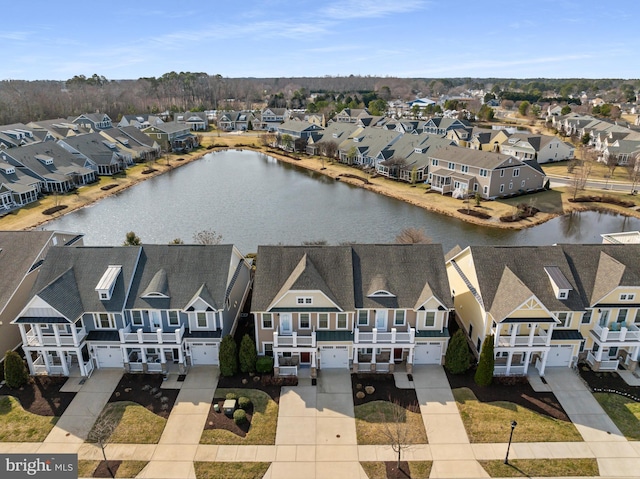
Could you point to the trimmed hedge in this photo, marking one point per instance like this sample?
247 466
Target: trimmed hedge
239 416
264 364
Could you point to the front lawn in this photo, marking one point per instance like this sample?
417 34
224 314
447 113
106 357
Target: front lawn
382 422
541 468
263 421
490 422
130 422
231 470
623 411
408 470
18 425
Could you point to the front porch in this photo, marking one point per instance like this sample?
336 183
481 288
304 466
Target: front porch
153 359
614 345
382 359
59 362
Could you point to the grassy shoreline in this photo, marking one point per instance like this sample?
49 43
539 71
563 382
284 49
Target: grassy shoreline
551 203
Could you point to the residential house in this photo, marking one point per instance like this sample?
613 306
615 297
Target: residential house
271 118
57 128
368 147
94 151
525 299
141 147
17 188
542 148
360 307
56 168
334 133
298 129
351 115
487 139
172 136
139 121
22 254
625 237
197 121
621 152
440 126
237 121
93 122
462 171
145 309
17 134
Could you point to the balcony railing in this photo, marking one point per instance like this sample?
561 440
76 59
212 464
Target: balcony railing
63 339
540 339
629 332
294 340
513 370
378 337
608 365
156 337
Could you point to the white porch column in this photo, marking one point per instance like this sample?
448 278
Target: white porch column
527 359
375 335
39 334
143 353
159 335
599 353
532 333
56 333
27 355
125 356
509 359
496 336
356 334
623 333
275 339
514 333
412 335
140 338
275 360
23 334
393 335
543 364
634 353
74 335
549 334
373 355
83 369
355 355
410 356
180 356
65 366
163 358
294 336
45 359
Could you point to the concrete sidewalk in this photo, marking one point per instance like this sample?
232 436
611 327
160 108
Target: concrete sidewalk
174 455
74 425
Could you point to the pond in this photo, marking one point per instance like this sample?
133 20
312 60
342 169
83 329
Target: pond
251 199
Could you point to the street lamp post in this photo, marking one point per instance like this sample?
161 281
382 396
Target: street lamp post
513 426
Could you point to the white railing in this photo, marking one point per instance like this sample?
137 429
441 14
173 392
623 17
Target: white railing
626 333
392 337
88 367
607 365
39 367
154 367
364 367
522 341
382 367
288 370
136 367
157 337
499 370
294 340
63 339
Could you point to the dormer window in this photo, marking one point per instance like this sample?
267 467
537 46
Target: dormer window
627 297
107 282
382 294
563 294
304 300
559 283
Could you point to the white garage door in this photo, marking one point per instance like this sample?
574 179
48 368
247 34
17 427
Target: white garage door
428 353
202 353
334 357
109 356
560 355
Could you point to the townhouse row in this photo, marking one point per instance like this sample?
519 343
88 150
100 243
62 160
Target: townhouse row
156 308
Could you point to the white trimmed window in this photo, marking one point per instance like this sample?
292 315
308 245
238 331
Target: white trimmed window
267 321
323 321
363 317
104 320
483 172
136 318
464 168
268 349
451 165
501 173
627 297
201 319
501 188
304 321
430 319
342 321
622 315
565 320
174 318
516 172
304 300
434 162
399 317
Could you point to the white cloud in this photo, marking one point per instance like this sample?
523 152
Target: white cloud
350 9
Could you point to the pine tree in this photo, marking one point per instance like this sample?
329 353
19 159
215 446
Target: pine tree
484 373
228 356
458 356
248 355
15 372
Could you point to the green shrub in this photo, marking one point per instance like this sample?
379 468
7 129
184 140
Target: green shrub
244 402
484 373
15 372
248 355
228 356
239 416
264 364
231 396
458 356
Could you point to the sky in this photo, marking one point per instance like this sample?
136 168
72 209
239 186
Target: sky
53 40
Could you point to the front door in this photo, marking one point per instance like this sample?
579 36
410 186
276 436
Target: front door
397 355
155 319
305 358
381 319
285 323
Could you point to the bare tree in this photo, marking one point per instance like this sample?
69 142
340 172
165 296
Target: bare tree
207 237
331 149
633 171
580 174
413 236
102 430
395 429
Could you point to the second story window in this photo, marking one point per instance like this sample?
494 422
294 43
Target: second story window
267 321
451 165
174 319
201 319
430 319
434 162
483 172
516 172
464 168
323 321
105 320
136 318
363 317
304 321
342 321
399 317
565 319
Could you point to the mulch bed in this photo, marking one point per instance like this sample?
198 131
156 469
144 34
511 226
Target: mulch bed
265 382
397 473
219 420
149 171
607 381
42 395
602 199
475 213
512 389
524 211
144 389
108 187
54 209
384 390
103 469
